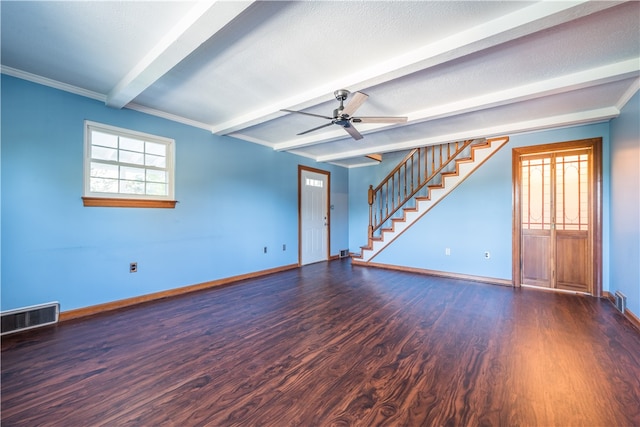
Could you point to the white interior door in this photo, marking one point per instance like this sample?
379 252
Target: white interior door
314 216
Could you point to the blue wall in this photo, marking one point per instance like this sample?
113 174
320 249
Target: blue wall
234 198
475 218
625 204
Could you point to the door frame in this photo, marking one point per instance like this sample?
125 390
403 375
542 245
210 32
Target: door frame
595 144
302 168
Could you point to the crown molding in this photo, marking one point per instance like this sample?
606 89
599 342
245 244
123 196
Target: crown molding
14 72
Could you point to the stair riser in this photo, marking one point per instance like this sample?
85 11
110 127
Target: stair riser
423 205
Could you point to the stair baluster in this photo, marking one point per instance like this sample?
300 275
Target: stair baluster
399 187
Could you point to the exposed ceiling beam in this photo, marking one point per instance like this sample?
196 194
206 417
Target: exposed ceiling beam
635 87
570 82
534 18
197 26
571 119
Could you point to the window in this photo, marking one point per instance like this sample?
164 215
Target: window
314 182
127 168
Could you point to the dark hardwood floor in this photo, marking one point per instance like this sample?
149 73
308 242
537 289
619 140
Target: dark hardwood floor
333 345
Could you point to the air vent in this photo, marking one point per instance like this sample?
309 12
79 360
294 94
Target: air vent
344 253
621 301
31 317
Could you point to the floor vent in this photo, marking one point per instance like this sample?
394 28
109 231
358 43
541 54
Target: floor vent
31 317
344 253
621 301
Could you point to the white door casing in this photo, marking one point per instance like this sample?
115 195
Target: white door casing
314 215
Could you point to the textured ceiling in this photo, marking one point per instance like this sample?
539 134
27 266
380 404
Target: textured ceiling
456 69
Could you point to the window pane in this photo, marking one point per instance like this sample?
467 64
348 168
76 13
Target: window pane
156 176
102 153
572 192
156 189
314 182
101 185
131 157
536 194
132 174
124 162
155 148
131 144
104 170
132 187
104 139
156 161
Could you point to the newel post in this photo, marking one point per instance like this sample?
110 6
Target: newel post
370 199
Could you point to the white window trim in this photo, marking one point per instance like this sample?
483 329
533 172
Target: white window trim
88 194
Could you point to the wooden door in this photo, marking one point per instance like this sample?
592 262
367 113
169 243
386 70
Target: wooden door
536 221
556 217
314 216
572 221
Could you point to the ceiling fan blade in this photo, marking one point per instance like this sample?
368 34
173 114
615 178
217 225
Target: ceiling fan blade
379 119
308 114
316 128
353 132
357 99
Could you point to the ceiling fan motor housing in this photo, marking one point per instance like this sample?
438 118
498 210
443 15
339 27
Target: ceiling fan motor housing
342 121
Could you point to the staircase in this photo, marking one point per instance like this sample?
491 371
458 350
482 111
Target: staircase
423 178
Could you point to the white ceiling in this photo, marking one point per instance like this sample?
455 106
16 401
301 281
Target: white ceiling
456 69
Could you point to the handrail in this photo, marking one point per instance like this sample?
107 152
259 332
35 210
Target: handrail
397 168
412 174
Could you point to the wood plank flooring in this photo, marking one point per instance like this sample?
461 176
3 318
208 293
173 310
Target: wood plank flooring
332 345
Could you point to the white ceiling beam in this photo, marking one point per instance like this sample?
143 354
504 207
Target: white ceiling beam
567 83
571 119
571 82
168 116
635 87
204 20
537 17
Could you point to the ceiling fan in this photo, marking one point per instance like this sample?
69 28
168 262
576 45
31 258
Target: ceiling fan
342 116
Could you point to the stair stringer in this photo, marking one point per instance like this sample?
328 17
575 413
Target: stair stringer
464 168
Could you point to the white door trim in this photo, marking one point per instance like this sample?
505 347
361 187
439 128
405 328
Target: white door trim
327 175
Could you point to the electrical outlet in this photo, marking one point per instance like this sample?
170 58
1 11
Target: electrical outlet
265 249
133 267
487 255
284 247
447 251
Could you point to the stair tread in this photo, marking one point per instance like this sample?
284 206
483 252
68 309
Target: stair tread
391 232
